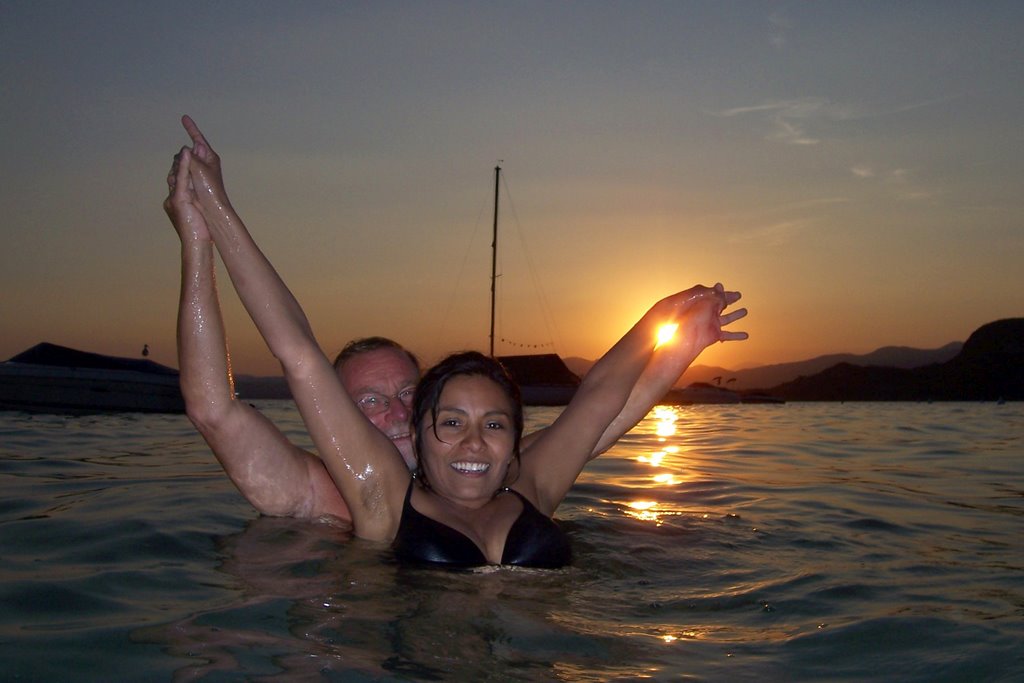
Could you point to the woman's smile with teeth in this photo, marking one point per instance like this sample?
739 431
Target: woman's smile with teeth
471 467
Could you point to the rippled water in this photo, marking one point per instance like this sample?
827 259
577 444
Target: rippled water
852 541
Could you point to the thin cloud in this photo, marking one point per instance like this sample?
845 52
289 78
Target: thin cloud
915 195
791 133
774 235
897 175
779 27
902 183
793 119
763 213
799 108
790 117
862 171
899 180
919 105
811 203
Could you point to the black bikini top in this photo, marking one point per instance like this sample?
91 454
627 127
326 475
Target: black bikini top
535 540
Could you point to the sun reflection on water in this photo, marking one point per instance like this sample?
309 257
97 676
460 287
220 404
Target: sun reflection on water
666 417
648 511
665 457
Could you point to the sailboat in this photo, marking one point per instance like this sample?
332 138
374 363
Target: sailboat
543 379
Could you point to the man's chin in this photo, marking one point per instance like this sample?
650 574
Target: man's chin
404 446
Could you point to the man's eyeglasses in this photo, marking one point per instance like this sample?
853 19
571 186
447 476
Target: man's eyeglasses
374 404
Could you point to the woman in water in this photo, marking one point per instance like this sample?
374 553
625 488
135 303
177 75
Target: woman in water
476 499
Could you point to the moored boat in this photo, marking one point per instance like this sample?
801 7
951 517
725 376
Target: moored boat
56 379
543 379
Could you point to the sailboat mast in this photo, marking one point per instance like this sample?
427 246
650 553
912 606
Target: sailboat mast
494 253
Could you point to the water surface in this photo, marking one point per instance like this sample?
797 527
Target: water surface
856 541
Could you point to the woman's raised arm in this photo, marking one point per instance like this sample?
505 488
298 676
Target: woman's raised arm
622 386
668 362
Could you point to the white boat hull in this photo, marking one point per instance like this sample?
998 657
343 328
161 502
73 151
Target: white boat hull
50 388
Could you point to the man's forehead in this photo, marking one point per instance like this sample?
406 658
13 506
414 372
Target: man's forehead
378 370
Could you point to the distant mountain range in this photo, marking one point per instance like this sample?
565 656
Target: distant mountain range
988 366
766 376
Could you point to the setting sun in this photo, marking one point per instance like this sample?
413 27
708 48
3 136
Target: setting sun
666 332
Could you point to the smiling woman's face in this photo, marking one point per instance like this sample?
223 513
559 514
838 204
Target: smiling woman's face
467 455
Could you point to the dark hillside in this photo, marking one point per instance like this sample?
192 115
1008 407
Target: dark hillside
989 367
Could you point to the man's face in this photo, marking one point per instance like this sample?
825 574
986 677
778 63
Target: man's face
381 382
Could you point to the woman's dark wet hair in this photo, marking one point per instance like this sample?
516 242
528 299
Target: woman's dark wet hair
467 363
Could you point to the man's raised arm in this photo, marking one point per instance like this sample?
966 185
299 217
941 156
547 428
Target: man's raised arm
275 476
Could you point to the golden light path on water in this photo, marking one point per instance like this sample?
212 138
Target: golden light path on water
670 455
651 510
647 510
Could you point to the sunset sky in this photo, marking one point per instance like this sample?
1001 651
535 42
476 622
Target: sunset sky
855 169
